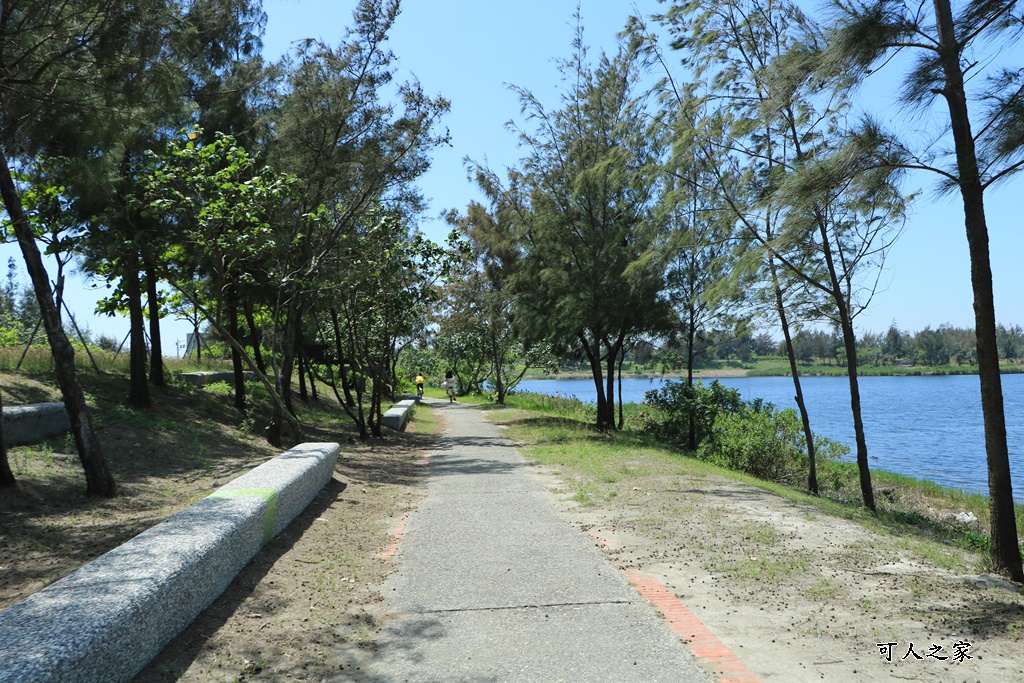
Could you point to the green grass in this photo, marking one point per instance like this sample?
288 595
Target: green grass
825 590
559 433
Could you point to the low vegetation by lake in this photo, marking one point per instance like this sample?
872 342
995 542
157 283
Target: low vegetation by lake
907 504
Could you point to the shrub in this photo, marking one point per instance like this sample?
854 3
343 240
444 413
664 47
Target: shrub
679 406
758 440
753 437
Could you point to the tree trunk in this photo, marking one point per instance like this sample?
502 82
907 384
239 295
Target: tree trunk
156 351
691 338
614 349
236 358
812 471
6 475
594 356
98 480
291 337
301 371
622 418
499 383
1003 524
312 380
850 345
138 387
257 338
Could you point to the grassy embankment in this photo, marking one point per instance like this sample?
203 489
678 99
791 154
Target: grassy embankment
558 432
163 459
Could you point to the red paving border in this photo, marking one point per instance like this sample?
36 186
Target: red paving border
702 642
397 532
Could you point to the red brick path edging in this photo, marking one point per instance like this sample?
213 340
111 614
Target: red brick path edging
397 532
702 642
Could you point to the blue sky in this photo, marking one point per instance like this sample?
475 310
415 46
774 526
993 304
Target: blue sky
470 50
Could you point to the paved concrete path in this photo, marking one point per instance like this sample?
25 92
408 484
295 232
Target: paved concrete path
496 584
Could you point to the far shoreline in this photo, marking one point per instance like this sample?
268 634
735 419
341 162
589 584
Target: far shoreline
774 371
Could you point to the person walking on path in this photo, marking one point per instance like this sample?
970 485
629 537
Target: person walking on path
494 583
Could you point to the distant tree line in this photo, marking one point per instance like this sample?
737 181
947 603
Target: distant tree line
944 345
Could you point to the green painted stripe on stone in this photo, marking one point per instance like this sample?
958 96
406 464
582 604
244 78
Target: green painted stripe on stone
267 494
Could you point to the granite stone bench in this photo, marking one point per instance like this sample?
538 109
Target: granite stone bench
108 619
398 415
34 422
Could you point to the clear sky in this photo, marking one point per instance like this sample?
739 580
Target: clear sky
469 51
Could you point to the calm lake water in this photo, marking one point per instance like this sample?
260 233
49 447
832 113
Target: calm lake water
924 427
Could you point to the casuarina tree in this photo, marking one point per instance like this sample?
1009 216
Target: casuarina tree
986 130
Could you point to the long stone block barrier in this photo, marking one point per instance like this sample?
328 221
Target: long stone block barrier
203 378
106 621
397 416
34 422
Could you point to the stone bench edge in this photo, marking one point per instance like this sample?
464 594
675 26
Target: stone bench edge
397 416
34 422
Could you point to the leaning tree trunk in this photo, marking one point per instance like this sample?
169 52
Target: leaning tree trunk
156 351
850 345
98 480
138 388
812 470
1002 521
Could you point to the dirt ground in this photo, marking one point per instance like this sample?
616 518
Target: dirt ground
797 594
298 608
309 592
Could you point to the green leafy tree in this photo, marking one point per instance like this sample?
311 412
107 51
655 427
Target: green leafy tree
357 139
480 297
748 38
818 217
223 207
381 283
70 71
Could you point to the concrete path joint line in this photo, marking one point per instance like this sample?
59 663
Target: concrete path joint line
506 608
